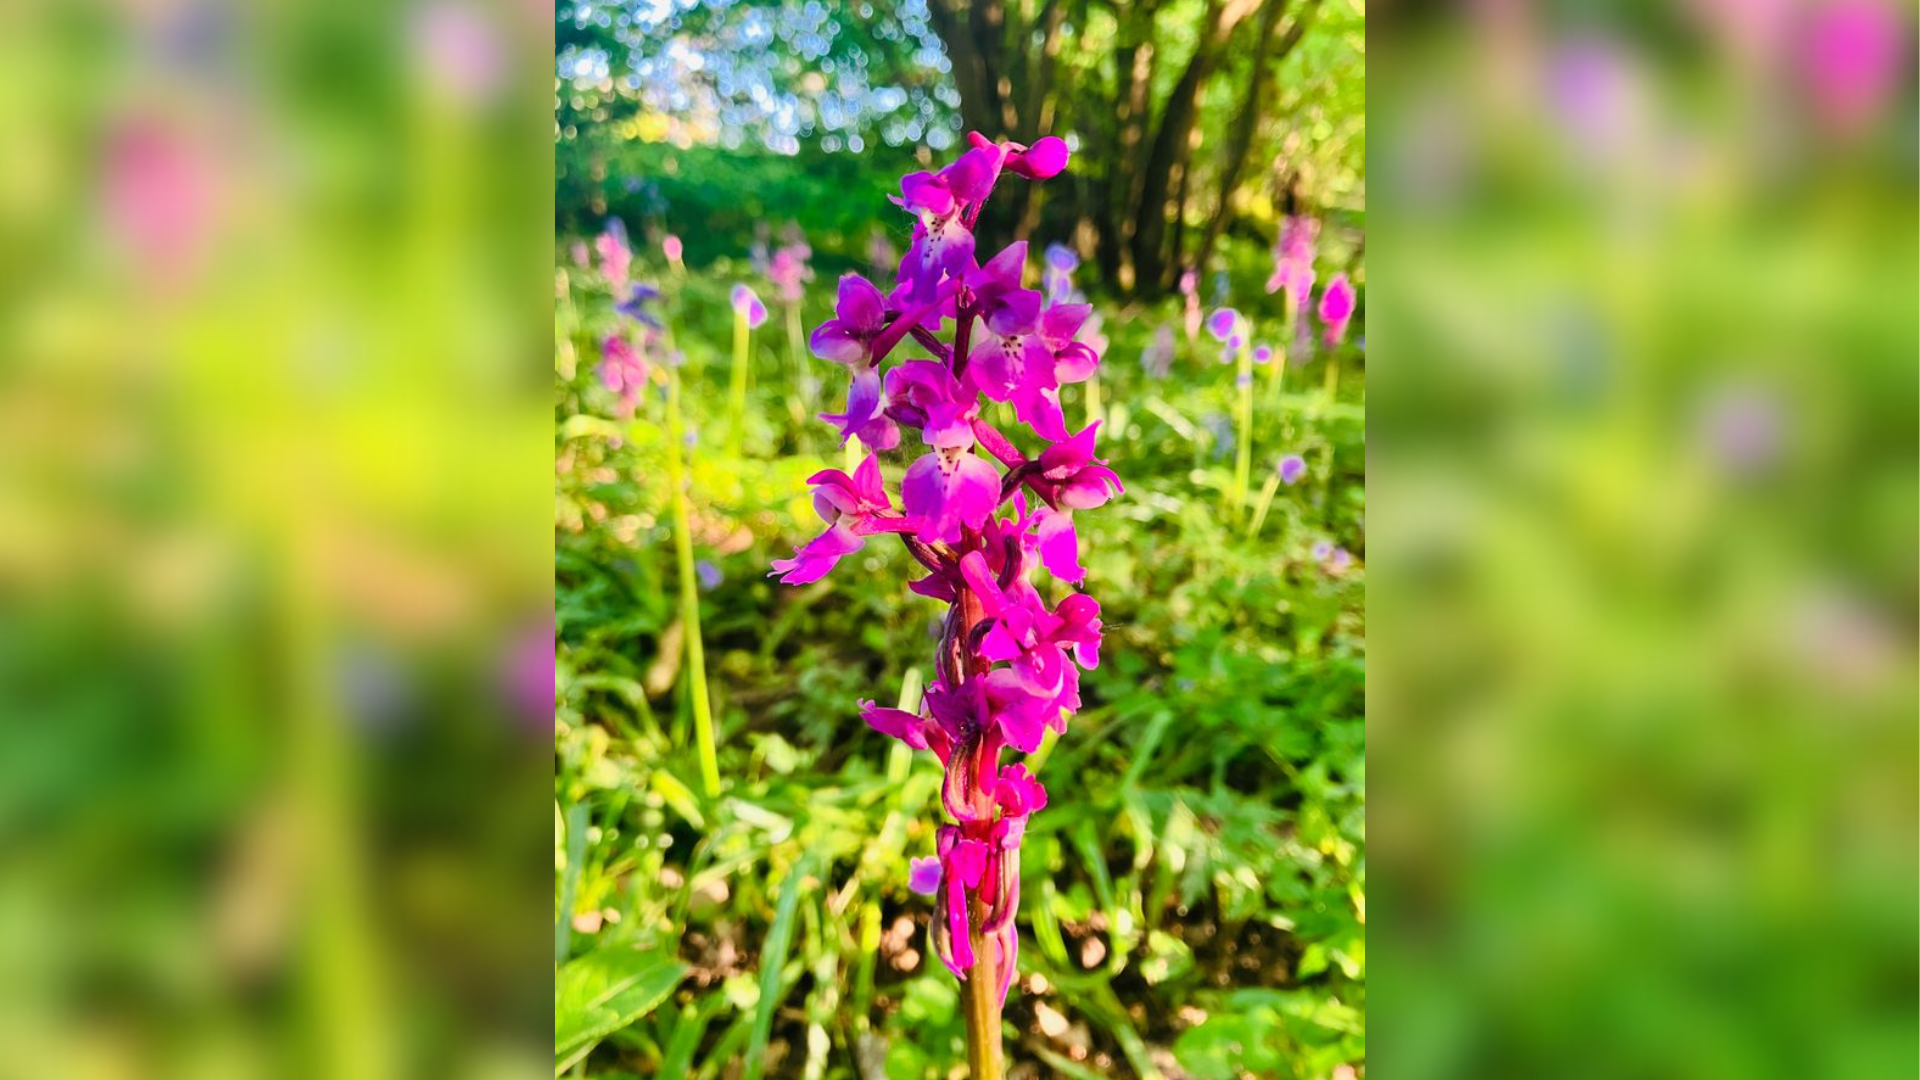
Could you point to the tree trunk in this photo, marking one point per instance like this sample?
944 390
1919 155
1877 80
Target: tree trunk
973 64
1173 142
1267 55
1134 61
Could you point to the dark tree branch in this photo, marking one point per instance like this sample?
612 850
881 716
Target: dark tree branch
1267 57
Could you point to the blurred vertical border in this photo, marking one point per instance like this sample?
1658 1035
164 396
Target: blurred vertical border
1643 593
275 607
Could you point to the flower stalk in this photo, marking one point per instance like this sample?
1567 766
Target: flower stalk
690 590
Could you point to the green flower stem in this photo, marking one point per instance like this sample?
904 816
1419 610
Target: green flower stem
797 344
1243 460
689 583
1266 503
742 334
984 1058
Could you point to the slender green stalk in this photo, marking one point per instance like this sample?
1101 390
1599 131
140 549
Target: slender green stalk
690 586
1243 463
984 1058
1093 398
1267 492
797 345
741 338
1281 355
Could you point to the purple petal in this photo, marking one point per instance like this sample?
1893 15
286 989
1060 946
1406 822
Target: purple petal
971 177
834 340
1046 158
909 728
1059 545
1018 312
923 875
1292 468
1336 304
860 305
923 191
1220 323
1002 272
811 562
1038 407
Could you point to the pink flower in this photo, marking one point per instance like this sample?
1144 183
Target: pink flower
865 418
745 302
623 370
614 257
860 313
1080 480
670 246
1852 55
853 508
1293 261
790 272
923 876
1336 308
948 490
1291 469
1008 666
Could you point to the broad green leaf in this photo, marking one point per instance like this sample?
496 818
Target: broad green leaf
603 991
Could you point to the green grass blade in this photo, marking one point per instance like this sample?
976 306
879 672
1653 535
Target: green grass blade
772 958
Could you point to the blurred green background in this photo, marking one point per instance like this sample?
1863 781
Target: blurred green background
1194 894
1643 597
273 552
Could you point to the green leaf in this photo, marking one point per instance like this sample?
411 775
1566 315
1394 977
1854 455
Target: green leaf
604 991
772 958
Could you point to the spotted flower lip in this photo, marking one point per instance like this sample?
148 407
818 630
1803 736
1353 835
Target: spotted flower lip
859 315
746 302
942 240
948 490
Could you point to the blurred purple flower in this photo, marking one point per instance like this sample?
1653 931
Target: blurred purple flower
1291 469
635 305
530 674
923 875
623 370
1336 308
746 302
1852 55
1157 358
709 574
